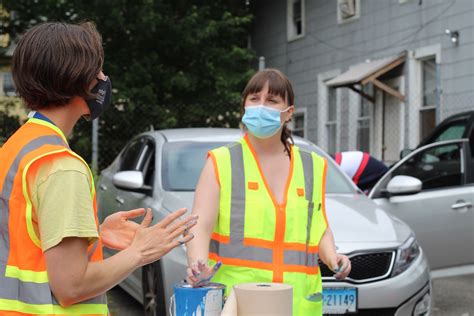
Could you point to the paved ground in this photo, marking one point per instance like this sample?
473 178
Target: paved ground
122 304
453 296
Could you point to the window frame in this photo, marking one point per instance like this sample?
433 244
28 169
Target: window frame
322 110
368 117
145 143
149 159
290 27
426 107
415 96
335 122
140 163
303 112
138 141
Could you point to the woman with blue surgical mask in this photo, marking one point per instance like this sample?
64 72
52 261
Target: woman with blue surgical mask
264 119
261 206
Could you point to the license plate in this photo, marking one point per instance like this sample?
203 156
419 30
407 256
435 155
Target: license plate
339 300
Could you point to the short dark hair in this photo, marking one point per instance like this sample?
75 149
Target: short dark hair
53 62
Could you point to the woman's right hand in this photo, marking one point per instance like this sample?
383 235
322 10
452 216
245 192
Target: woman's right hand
200 273
151 243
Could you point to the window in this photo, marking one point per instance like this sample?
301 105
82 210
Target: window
129 160
182 163
147 165
435 167
295 19
347 10
299 123
331 122
453 131
428 106
364 120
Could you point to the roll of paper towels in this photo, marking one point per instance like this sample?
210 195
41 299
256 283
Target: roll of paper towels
252 299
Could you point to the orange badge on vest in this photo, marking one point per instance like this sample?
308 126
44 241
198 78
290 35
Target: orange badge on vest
253 185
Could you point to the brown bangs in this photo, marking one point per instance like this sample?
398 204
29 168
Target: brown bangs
278 85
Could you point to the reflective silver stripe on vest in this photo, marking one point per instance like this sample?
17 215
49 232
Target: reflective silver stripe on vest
8 185
242 252
237 207
11 288
235 248
307 161
301 258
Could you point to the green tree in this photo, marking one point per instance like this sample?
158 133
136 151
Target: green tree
9 121
173 63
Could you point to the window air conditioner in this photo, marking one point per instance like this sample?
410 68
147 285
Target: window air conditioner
347 8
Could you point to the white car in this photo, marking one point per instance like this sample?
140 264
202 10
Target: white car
390 273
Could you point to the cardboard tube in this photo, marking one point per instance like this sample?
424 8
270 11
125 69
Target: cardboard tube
262 299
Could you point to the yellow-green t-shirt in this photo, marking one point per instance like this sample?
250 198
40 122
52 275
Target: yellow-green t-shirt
62 202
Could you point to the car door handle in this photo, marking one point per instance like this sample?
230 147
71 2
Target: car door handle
119 200
103 187
461 204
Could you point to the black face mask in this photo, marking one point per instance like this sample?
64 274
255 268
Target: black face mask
103 92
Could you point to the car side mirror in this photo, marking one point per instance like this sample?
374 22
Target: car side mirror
404 185
405 152
130 181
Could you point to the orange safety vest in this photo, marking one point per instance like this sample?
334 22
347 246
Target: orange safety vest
259 240
24 286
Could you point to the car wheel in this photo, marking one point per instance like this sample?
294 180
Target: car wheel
153 291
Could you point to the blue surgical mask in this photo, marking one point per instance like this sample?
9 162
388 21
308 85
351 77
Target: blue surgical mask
262 121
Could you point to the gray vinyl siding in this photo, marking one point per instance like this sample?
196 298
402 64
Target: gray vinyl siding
385 28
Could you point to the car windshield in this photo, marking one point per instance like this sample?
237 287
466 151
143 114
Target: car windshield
182 163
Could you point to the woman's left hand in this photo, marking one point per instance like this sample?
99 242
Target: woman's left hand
117 230
341 266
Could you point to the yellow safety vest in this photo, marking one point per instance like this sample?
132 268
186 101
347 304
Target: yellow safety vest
259 240
24 287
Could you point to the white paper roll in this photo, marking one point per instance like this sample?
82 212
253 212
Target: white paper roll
230 307
262 299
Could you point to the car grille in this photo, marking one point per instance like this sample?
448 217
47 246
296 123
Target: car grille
365 267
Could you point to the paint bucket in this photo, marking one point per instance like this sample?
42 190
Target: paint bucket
200 301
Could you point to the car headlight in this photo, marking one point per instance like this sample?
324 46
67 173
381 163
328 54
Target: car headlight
406 254
423 306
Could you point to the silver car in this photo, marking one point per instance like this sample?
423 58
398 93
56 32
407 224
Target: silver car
159 169
432 190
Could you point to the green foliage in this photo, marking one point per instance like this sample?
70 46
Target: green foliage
173 63
9 119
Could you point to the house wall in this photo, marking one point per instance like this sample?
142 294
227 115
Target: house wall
384 28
